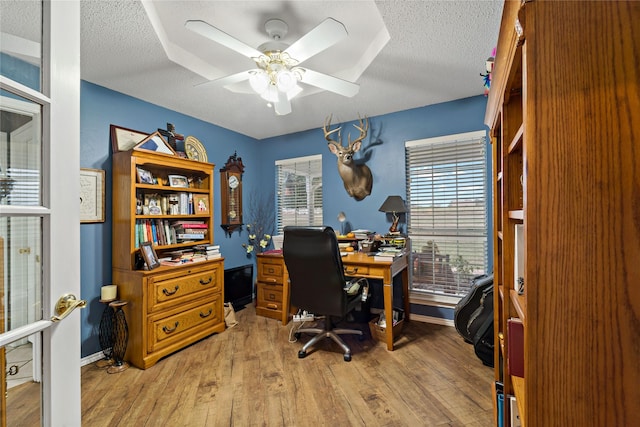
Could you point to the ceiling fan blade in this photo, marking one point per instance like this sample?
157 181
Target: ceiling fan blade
282 106
330 83
219 36
326 34
224 81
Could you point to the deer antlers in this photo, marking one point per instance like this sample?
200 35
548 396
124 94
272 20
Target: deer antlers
363 127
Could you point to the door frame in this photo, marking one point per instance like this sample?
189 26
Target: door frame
59 210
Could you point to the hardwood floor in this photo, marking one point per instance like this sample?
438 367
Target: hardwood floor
250 375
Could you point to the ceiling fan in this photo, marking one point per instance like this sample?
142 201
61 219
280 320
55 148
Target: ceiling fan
278 69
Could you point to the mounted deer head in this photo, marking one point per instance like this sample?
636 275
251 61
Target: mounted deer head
357 178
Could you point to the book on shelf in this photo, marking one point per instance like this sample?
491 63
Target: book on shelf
190 236
515 346
189 223
207 247
514 412
518 255
153 230
191 231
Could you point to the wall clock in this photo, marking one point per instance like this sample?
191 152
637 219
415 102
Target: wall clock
231 194
194 149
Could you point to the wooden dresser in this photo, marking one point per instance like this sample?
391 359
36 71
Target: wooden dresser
170 308
272 288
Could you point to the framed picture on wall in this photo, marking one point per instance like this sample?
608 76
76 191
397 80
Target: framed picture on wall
123 139
91 195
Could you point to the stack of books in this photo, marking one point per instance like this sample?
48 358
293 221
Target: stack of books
362 234
183 257
387 254
209 251
189 230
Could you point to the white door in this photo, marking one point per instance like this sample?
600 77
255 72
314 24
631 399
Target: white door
39 206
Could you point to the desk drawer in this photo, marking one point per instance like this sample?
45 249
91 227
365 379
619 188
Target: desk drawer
172 329
270 271
269 296
167 291
356 270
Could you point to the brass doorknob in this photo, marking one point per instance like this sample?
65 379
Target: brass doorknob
65 305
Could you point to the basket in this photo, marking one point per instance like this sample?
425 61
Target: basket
379 333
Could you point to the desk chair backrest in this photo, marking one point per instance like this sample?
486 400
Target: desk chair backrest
315 270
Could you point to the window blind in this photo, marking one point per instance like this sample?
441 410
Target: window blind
299 191
447 197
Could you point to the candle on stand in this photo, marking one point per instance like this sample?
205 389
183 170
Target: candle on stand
108 292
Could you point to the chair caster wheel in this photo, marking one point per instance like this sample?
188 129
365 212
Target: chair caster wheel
302 354
297 335
347 357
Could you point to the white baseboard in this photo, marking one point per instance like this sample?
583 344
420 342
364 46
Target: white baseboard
431 319
91 358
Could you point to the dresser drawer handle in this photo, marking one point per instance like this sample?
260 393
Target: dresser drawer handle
271 270
203 315
169 293
206 282
272 296
350 271
270 279
168 330
272 306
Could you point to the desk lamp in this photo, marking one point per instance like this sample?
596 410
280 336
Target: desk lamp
393 205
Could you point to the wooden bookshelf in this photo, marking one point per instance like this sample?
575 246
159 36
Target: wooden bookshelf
563 111
168 307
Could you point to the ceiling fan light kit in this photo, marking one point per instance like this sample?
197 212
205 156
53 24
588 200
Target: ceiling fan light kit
278 74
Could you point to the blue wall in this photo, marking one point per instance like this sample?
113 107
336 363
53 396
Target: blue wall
383 149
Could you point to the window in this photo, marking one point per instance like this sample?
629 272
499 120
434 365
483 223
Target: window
299 189
447 197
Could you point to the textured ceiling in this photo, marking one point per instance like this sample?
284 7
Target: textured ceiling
435 53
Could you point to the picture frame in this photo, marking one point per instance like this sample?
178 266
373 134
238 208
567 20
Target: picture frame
178 181
92 195
149 255
144 176
156 143
201 203
153 203
123 139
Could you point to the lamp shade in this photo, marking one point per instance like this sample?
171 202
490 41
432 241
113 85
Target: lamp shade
393 204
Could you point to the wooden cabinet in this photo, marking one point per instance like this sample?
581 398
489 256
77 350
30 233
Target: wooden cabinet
564 109
272 288
168 307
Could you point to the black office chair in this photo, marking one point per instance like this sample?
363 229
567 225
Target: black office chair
318 284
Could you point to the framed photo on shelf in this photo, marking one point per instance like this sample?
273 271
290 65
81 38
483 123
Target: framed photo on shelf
178 181
152 202
144 176
149 255
91 195
201 204
123 139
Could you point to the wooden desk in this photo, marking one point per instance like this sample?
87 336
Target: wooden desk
356 264
361 265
